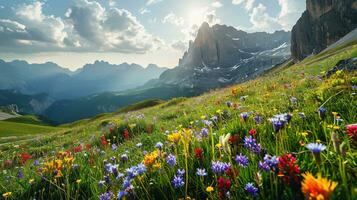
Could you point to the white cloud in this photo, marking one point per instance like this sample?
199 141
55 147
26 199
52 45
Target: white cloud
150 2
262 21
144 11
173 19
248 4
216 4
290 12
112 3
179 45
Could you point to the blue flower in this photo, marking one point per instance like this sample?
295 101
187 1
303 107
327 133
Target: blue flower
114 147
207 122
258 119
280 120
241 160
124 157
315 147
219 167
201 172
229 104
263 166
20 174
171 160
181 172
204 132
159 145
251 189
322 112
36 163
106 196
251 144
177 182
272 161
244 116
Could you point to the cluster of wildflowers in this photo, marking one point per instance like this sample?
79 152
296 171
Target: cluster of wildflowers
289 171
279 121
241 160
219 167
251 144
178 180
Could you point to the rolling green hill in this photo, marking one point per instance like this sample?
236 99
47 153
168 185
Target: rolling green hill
229 142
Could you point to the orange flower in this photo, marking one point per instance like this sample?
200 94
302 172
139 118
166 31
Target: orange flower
317 188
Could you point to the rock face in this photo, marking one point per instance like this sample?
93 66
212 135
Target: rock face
222 55
322 24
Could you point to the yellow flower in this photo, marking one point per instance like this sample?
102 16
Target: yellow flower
318 141
132 125
336 127
334 114
317 188
219 111
150 158
31 181
330 126
203 117
174 137
78 181
305 134
209 189
7 194
59 174
218 145
157 166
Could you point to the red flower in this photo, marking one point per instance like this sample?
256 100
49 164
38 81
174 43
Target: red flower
288 169
198 153
352 131
252 132
234 139
111 130
103 141
77 149
88 146
25 157
126 134
224 185
231 173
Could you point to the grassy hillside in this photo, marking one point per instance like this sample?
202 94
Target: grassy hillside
222 144
9 128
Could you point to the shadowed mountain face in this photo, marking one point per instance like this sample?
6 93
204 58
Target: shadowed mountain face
222 55
322 24
60 83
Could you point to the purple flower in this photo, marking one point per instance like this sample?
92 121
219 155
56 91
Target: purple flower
251 144
322 112
20 174
204 132
106 196
241 160
114 147
244 116
159 145
219 167
124 157
36 163
302 115
171 160
229 104
207 122
177 182
263 166
272 161
258 119
279 121
181 172
251 189
315 147
201 172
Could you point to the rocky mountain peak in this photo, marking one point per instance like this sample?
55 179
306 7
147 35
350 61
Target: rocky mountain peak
322 24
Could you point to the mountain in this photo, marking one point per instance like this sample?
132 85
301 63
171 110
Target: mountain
64 111
322 24
27 104
222 55
60 83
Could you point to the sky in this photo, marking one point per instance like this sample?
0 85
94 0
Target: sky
72 33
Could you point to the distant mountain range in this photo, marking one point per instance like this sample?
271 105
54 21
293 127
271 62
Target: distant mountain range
60 83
